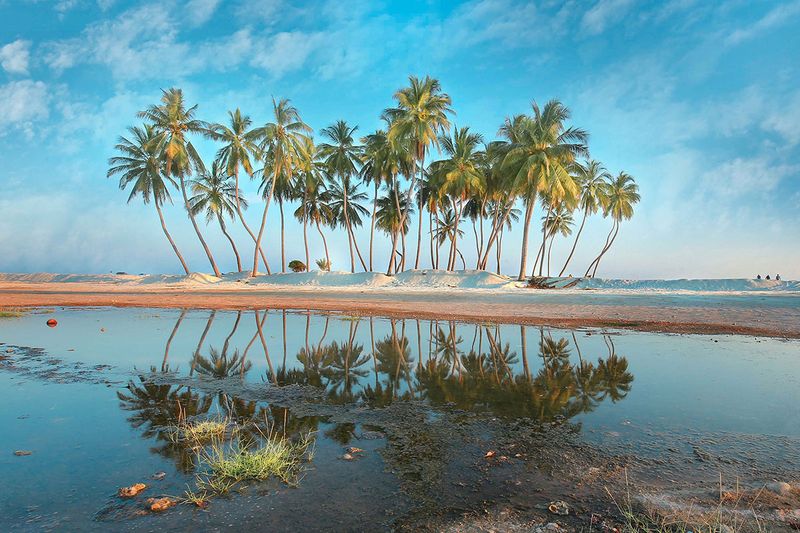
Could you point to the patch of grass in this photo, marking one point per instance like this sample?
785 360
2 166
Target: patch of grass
271 457
199 433
11 313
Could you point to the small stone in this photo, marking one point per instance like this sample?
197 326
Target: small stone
353 449
780 487
133 490
490 454
158 476
559 508
348 457
22 453
158 505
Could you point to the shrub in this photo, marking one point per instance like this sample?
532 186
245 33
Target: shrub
297 266
324 265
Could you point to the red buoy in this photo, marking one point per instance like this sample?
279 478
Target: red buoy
52 322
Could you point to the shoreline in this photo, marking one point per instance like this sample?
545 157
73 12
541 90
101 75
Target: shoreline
676 313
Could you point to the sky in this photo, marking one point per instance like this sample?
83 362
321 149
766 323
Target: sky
699 101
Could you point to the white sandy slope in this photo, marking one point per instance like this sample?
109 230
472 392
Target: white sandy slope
413 280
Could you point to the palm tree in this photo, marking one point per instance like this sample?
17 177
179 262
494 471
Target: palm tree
540 151
622 194
141 165
380 166
417 120
389 216
460 175
283 190
307 182
591 178
239 145
173 120
281 143
315 208
341 156
446 228
216 194
346 210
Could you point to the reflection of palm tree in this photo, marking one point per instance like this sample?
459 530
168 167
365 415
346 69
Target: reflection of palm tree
202 339
157 408
614 371
164 363
219 365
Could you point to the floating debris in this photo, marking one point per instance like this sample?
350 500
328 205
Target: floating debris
133 490
158 476
353 450
158 505
22 453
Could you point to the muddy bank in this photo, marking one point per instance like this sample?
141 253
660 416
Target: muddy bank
659 313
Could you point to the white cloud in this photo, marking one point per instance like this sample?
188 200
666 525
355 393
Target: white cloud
200 11
284 51
22 103
604 14
746 176
775 17
15 56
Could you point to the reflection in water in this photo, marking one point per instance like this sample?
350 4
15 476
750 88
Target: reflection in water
468 367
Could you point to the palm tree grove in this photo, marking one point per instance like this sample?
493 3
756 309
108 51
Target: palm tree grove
429 186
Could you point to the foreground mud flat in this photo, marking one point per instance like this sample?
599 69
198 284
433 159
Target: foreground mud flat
456 426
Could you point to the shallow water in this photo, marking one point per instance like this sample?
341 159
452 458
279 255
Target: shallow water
94 406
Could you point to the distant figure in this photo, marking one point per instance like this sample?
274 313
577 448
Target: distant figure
777 277
768 276
758 277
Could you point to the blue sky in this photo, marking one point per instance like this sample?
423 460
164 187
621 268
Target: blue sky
700 101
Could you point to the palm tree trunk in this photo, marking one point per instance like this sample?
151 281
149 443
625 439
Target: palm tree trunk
494 233
169 237
358 251
261 229
325 245
430 240
305 227
454 243
347 227
241 218
544 237
549 251
233 244
372 224
404 215
575 244
202 340
283 237
419 234
499 250
529 205
477 245
607 248
402 247
197 229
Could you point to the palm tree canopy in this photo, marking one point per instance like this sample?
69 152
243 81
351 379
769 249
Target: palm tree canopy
341 155
559 221
460 172
174 121
388 217
336 203
541 150
140 164
592 177
215 193
283 141
239 142
420 114
623 194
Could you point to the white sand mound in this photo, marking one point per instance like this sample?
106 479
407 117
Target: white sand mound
465 279
317 278
46 277
692 285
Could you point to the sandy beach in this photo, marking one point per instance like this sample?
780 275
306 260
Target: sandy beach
769 310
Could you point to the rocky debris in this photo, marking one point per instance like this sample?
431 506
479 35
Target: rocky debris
133 490
558 508
548 528
158 476
158 505
354 450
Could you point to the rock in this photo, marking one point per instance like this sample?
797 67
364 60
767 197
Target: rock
133 490
548 528
490 454
780 487
559 508
158 476
348 457
21 453
158 505
353 449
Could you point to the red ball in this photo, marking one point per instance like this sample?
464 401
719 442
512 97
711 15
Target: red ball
52 322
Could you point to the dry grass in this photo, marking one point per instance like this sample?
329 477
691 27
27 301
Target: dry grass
11 313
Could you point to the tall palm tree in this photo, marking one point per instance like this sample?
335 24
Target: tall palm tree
215 193
380 166
239 147
315 208
342 156
417 120
344 202
622 194
460 174
173 120
281 143
591 178
141 165
283 190
309 179
389 215
540 152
